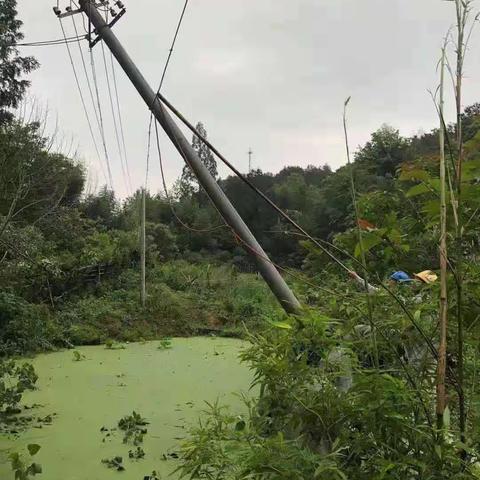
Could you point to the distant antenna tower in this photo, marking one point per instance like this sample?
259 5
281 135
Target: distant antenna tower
250 153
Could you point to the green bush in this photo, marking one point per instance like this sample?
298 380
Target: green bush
14 380
25 327
182 300
323 414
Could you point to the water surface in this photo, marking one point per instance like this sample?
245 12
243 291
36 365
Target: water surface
168 388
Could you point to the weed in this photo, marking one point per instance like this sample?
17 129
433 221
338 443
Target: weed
165 344
112 345
22 470
153 476
305 425
133 427
14 380
115 463
77 356
137 454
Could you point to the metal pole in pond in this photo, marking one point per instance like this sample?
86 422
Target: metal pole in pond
268 271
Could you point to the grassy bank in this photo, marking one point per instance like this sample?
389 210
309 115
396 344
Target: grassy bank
183 300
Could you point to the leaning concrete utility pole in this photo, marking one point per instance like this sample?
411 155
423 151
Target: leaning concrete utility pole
268 271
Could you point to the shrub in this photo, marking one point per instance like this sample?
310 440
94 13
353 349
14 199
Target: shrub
323 414
14 380
25 327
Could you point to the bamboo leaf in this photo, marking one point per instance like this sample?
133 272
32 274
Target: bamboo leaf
369 241
281 325
446 418
419 189
416 174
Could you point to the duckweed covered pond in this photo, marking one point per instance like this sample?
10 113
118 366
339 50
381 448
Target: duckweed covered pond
167 387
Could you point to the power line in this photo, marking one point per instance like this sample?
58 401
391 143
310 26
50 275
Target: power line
174 41
167 195
100 116
122 132
248 182
398 300
77 81
47 43
115 126
165 68
85 71
97 113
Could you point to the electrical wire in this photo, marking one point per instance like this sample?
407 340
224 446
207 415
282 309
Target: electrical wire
174 41
82 99
165 68
115 126
58 41
399 301
120 119
100 116
286 270
249 183
160 158
167 195
85 71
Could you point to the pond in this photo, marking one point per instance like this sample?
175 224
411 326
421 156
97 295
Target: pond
167 387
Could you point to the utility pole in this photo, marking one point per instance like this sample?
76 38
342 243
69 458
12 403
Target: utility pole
250 153
143 291
268 271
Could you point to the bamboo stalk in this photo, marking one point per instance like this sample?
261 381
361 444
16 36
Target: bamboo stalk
462 11
443 320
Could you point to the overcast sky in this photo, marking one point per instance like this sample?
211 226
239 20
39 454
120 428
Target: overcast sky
267 74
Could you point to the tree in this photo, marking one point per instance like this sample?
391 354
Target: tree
12 65
471 121
384 153
34 181
102 207
188 181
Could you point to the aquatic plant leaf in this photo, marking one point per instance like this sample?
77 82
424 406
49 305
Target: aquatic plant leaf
33 449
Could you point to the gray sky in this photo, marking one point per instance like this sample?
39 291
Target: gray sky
267 74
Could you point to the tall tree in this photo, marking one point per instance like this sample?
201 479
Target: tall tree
188 181
102 207
384 153
12 65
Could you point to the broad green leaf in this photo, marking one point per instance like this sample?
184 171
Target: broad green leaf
395 236
434 183
432 209
470 170
369 240
471 193
416 174
419 189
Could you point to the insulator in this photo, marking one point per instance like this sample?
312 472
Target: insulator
113 13
57 11
68 9
120 4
